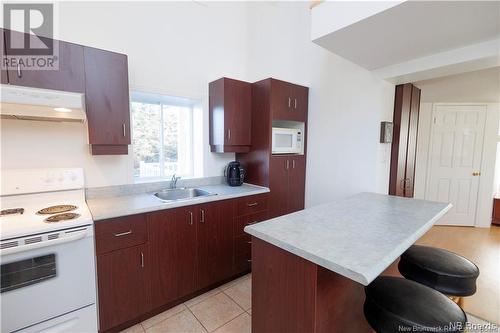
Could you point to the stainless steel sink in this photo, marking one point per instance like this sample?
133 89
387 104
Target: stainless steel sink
181 194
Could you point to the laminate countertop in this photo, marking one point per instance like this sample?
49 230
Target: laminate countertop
122 205
358 237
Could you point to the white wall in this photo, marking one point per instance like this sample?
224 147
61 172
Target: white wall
178 47
486 184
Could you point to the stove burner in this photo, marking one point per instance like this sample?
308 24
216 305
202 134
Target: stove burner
57 209
12 211
61 217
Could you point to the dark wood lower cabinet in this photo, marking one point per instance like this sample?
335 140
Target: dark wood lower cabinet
184 251
123 285
173 245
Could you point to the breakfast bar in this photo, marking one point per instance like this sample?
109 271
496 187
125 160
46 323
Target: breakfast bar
309 268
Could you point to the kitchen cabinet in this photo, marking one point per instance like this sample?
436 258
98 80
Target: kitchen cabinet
68 74
404 142
280 102
215 242
496 211
288 101
230 115
174 247
107 101
123 285
287 184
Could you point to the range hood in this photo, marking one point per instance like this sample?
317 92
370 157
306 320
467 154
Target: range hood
41 104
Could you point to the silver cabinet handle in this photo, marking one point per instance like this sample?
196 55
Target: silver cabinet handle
287 164
229 135
190 218
289 102
123 128
295 104
202 218
249 260
293 164
123 233
253 204
19 72
142 259
249 242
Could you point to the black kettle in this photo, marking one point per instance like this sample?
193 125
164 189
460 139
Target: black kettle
234 174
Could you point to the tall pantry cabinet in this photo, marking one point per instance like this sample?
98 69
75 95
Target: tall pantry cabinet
275 100
404 143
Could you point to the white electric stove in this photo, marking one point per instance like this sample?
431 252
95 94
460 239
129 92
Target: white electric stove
46 252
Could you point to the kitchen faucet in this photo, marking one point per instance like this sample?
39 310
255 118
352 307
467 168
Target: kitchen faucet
173 181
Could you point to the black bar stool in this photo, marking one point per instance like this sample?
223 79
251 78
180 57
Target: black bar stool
440 269
395 304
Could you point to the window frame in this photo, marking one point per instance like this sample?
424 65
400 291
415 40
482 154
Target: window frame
163 100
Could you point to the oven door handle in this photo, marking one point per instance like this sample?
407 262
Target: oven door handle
71 237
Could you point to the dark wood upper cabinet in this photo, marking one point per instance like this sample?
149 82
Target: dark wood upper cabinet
174 246
230 107
123 285
288 101
68 74
404 142
107 101
215 242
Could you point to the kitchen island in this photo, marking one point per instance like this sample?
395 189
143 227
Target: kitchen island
309 268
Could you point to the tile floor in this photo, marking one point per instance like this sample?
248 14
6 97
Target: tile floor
226 309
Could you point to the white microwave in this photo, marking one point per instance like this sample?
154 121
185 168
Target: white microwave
286 140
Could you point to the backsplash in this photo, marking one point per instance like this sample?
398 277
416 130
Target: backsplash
129 189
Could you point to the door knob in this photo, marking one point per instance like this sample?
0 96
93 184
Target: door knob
476 173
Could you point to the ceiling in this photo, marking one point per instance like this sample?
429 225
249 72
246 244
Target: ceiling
414 29
478 86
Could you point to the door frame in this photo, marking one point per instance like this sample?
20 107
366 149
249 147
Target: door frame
484 204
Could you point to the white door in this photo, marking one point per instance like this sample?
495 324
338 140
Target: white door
455 160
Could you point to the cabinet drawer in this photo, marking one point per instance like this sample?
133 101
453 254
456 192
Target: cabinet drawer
243 221
252 204
119 233
243 246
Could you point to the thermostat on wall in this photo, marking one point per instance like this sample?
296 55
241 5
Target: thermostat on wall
386 132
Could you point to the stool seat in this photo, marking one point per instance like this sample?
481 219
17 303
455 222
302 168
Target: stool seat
439 269
395 304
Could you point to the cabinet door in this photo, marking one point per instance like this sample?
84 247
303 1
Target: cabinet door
215 242
297 183
173 245
278 184
69 76
237 112
107 97
281 100
123 285
411 154
300 100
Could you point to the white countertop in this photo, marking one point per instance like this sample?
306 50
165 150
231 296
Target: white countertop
358 237
108 207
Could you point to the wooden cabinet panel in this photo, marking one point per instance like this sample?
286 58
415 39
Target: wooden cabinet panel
300 97
281 99
69 76
107 98
297 183
230 117
252 204
215 242
278 184
121 232
243 221
174 245
123 285
404 141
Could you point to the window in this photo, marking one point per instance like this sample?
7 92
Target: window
162 135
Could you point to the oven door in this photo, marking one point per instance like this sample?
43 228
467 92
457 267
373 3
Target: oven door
285 141
47 279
